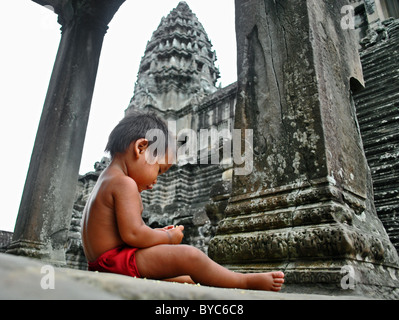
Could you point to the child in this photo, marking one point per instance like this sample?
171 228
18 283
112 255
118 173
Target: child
115 238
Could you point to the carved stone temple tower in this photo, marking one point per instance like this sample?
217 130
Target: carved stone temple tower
178 68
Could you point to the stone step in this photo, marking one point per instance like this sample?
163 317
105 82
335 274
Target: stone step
375 96
378 55
384 94
386 120
381 70
380 50
22 278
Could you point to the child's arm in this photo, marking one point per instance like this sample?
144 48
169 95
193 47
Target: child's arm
132 229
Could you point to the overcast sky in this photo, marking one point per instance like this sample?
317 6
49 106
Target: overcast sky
29 35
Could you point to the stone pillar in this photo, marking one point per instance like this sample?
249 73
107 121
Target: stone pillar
46 206
307 207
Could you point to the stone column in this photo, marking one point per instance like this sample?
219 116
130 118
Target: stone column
307 207
46 206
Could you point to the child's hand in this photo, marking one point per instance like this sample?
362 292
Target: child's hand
175 234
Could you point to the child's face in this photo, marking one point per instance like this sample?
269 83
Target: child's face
145 174
147 177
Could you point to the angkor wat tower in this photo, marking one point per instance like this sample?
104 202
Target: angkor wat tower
178 68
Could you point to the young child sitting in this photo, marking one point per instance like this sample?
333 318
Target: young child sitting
115 238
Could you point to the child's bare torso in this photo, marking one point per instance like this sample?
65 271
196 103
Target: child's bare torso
99 226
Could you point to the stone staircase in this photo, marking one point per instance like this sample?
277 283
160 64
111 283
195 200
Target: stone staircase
378 115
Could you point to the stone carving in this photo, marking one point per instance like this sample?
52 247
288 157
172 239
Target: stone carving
101 165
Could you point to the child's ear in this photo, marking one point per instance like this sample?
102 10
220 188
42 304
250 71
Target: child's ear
140 146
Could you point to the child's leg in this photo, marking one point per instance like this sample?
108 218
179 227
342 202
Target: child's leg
170 261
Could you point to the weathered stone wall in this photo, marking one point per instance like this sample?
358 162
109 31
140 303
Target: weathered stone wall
378 114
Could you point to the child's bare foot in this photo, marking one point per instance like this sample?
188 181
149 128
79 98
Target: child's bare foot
271 281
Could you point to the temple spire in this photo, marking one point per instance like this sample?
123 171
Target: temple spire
178 67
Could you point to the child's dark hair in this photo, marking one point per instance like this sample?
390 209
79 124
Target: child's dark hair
132 127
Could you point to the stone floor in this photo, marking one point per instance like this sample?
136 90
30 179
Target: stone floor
23 278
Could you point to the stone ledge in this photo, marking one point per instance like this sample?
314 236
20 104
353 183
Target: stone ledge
20 279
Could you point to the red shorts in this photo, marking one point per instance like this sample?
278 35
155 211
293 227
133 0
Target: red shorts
121 260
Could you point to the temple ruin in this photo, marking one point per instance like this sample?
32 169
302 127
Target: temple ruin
311 207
